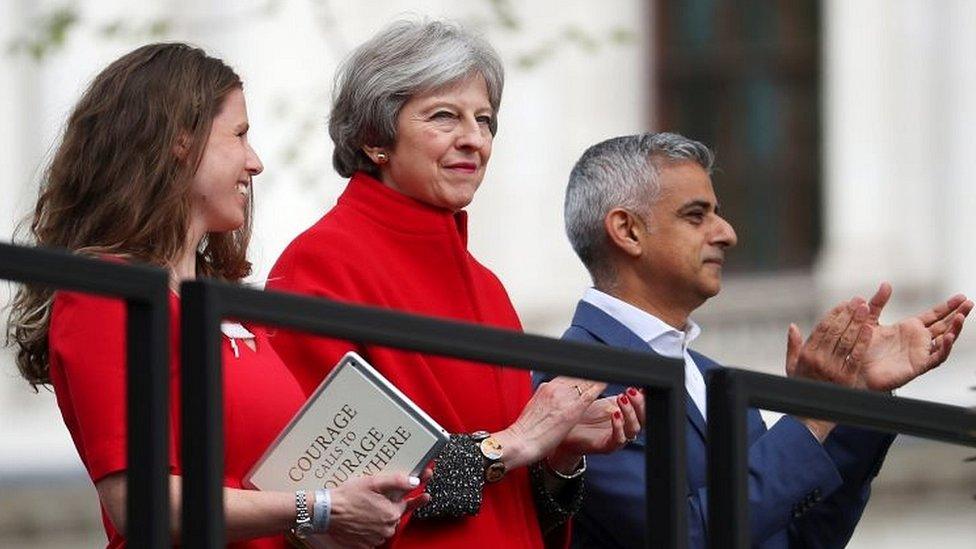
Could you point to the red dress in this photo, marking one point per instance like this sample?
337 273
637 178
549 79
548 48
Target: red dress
87 357
382 248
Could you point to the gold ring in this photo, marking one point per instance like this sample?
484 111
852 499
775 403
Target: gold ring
578 390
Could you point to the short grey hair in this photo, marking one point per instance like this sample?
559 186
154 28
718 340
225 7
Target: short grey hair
622 172
404 59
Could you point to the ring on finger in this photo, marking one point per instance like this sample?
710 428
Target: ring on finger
848 359
933 346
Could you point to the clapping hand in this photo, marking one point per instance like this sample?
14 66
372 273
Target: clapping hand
851 347
607 425
554 409
836 347
903 351
833 352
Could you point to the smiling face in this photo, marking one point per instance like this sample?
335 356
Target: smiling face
683 243
221 186
442 146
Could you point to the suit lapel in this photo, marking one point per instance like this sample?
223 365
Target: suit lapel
608 330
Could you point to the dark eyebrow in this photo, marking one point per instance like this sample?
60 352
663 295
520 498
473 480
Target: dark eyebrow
704 204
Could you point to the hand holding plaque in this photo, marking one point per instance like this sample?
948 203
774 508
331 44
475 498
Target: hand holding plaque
359 436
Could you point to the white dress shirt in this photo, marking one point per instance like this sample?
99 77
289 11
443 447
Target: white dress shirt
661 337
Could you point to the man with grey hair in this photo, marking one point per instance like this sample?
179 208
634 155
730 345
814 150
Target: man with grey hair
642 215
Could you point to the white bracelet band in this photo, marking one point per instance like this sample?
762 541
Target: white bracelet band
580 469
321 509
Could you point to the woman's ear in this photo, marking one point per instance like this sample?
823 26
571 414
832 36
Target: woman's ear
624 230
378 155
181 149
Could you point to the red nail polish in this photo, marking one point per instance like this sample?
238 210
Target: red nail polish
624 399
617 414
632 392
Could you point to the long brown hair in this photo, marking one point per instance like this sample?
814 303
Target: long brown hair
119 182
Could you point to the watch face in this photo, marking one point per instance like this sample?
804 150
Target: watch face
495 472
491 449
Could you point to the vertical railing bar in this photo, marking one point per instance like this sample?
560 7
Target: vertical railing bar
677 478
664 455
202 417
145 292
728 510
147 433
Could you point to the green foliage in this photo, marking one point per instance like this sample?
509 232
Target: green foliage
47 34
154 29
504 14
577 37
50 33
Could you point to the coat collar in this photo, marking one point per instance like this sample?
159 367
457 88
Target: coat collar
398 211
608 330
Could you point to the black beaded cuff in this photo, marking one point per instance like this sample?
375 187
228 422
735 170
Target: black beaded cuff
554 509
455 488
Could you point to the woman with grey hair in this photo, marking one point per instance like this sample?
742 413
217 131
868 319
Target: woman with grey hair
414 115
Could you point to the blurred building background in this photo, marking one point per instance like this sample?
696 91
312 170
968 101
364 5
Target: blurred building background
841 130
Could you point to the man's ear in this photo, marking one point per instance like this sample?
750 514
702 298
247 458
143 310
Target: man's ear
623 229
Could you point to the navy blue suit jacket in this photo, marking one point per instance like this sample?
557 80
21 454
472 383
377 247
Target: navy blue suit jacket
801 493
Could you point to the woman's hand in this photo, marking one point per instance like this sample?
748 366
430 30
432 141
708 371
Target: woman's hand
554 409
366 510
606 426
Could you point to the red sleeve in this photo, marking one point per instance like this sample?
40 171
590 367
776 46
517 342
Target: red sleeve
87 344
310 357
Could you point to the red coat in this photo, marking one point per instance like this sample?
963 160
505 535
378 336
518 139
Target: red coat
379 247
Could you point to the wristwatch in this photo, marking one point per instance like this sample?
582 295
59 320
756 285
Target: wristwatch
303 520
491 451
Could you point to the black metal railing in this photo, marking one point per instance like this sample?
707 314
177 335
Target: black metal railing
146 294
731 392
205 303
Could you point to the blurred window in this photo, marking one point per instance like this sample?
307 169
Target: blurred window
743 76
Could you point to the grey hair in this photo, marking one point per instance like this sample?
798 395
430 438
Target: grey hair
404 59
622 172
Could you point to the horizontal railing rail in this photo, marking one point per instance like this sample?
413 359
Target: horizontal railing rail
145 291
732 391
205 303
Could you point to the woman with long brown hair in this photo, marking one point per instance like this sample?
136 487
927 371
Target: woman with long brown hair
155 167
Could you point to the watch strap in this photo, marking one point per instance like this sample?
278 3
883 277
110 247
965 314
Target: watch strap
303 520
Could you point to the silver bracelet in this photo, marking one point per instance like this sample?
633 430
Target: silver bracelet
321 511
572 476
